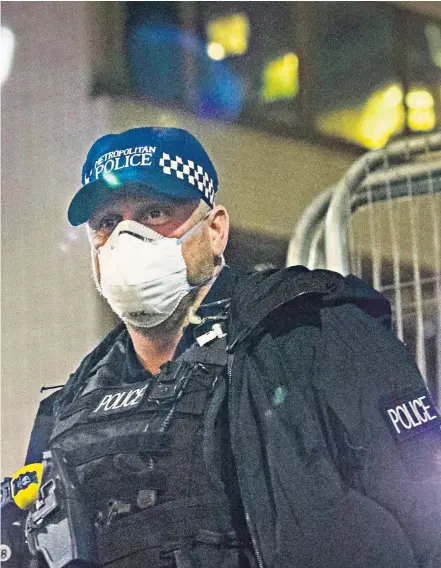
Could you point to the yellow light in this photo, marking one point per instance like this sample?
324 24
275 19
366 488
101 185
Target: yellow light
393 96
383 115
281 78
371 125
377 126
216 51
231 33
421 119
419 98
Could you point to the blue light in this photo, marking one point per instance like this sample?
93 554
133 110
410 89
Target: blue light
157 57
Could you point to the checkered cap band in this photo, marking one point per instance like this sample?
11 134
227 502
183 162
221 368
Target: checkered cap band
194 174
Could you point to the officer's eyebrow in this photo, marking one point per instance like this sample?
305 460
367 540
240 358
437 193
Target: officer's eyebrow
141 206
173 206
162 205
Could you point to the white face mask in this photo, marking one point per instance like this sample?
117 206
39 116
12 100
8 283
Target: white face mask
143 275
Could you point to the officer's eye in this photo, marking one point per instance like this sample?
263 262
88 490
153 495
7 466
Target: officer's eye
155 216
107 223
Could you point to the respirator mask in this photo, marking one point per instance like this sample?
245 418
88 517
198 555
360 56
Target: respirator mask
142 274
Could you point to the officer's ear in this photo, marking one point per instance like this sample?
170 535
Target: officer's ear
219 224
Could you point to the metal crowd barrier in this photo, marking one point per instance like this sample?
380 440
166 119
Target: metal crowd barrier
382 222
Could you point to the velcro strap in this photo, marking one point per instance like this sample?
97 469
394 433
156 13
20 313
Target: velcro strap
131 443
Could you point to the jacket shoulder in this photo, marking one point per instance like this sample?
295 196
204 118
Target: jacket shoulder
260 298
100 351
44 419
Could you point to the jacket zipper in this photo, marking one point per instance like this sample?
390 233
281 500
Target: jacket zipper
256 548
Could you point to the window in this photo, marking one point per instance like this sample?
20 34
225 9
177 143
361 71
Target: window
258 42
227 36
358 72
423 69
155 51
357 93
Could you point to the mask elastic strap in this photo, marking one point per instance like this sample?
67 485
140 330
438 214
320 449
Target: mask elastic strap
193 229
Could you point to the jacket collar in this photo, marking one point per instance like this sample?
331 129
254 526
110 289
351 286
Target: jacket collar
215 303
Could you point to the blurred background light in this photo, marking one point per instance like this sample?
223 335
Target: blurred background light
216 51
156 53
239 62
421 111
231 32
382 115
393 96
281 78
7 52
419 98
421 119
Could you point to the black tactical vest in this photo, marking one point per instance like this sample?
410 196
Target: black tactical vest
153 460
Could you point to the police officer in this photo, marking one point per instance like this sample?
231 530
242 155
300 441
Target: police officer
161 491
283 450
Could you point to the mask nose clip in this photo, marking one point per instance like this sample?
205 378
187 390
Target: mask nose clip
137 236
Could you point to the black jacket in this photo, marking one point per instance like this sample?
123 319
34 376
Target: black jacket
332 472
336 439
